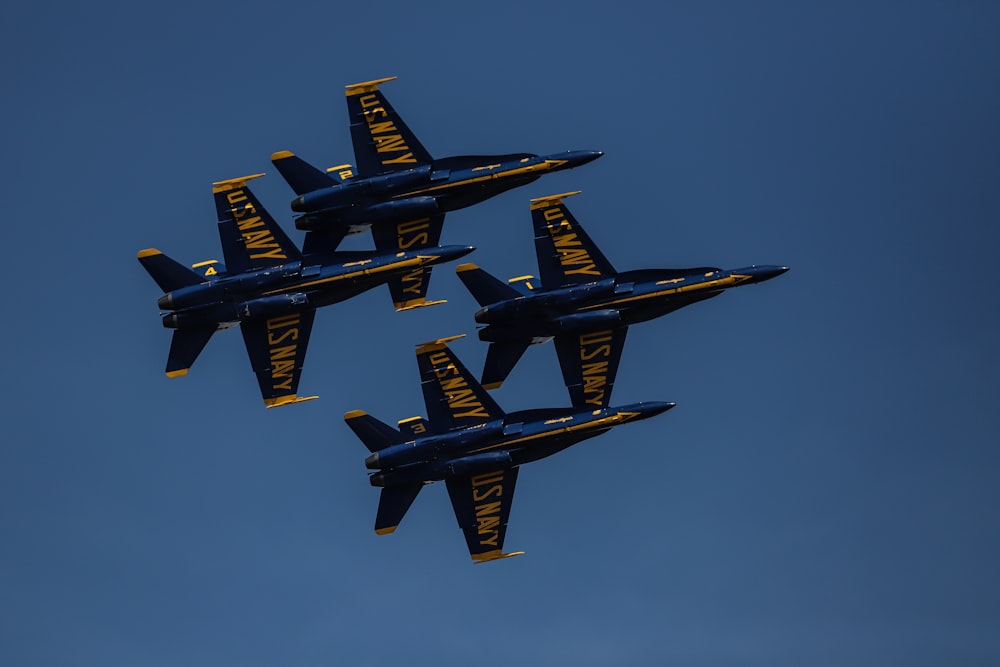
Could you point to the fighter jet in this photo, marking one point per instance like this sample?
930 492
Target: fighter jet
473 445
267 287
582 302
399 190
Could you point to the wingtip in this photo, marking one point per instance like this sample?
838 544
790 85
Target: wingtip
551 200
437 344
491 556
287 400
233 183
365 86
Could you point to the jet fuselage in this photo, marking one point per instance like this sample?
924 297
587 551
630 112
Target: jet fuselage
287 288
626 299
514 439
444 185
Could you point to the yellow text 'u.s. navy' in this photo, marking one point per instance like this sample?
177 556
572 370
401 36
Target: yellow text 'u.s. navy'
487 493
573 256
384 133
595 353
461 398
258 239
282 346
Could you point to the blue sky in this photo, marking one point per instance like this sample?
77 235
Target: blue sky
825 493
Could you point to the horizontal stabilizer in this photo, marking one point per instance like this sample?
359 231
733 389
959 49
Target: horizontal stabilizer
393 504
374 434
185 346
323 243
485 288
500 361
300 175
168 274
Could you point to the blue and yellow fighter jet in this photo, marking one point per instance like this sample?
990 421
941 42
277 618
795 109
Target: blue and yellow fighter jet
267 287
399 190
471 444
583 303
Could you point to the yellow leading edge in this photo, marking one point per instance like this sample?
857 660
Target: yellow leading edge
233 183
365 86
551 200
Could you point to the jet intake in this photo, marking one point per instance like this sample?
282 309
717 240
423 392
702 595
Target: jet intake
595 319
477 463
346 195
403 209
270 306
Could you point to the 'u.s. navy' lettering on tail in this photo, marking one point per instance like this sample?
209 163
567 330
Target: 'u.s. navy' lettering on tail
566 254
462 400
589 363
258 239
282 346
487 492
453 396
384 133
574 258
595 351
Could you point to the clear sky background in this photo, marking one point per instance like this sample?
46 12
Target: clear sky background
825 493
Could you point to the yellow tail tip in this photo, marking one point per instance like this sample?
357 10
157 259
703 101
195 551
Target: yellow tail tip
281 155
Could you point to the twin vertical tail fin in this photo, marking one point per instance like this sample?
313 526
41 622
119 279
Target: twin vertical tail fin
374 434
393 504
301 176
395 500
169 274
500 361
485 289
185 346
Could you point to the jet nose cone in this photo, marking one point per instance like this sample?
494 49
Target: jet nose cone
299 205
372 461
165 302
653 408
577 158
453 252
762 273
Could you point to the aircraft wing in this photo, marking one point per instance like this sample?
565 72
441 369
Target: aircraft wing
277 349
251 239
454 398
589 364
482 506
410 289
382 141
566 255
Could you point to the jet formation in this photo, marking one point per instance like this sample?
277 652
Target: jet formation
268 287
397 190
